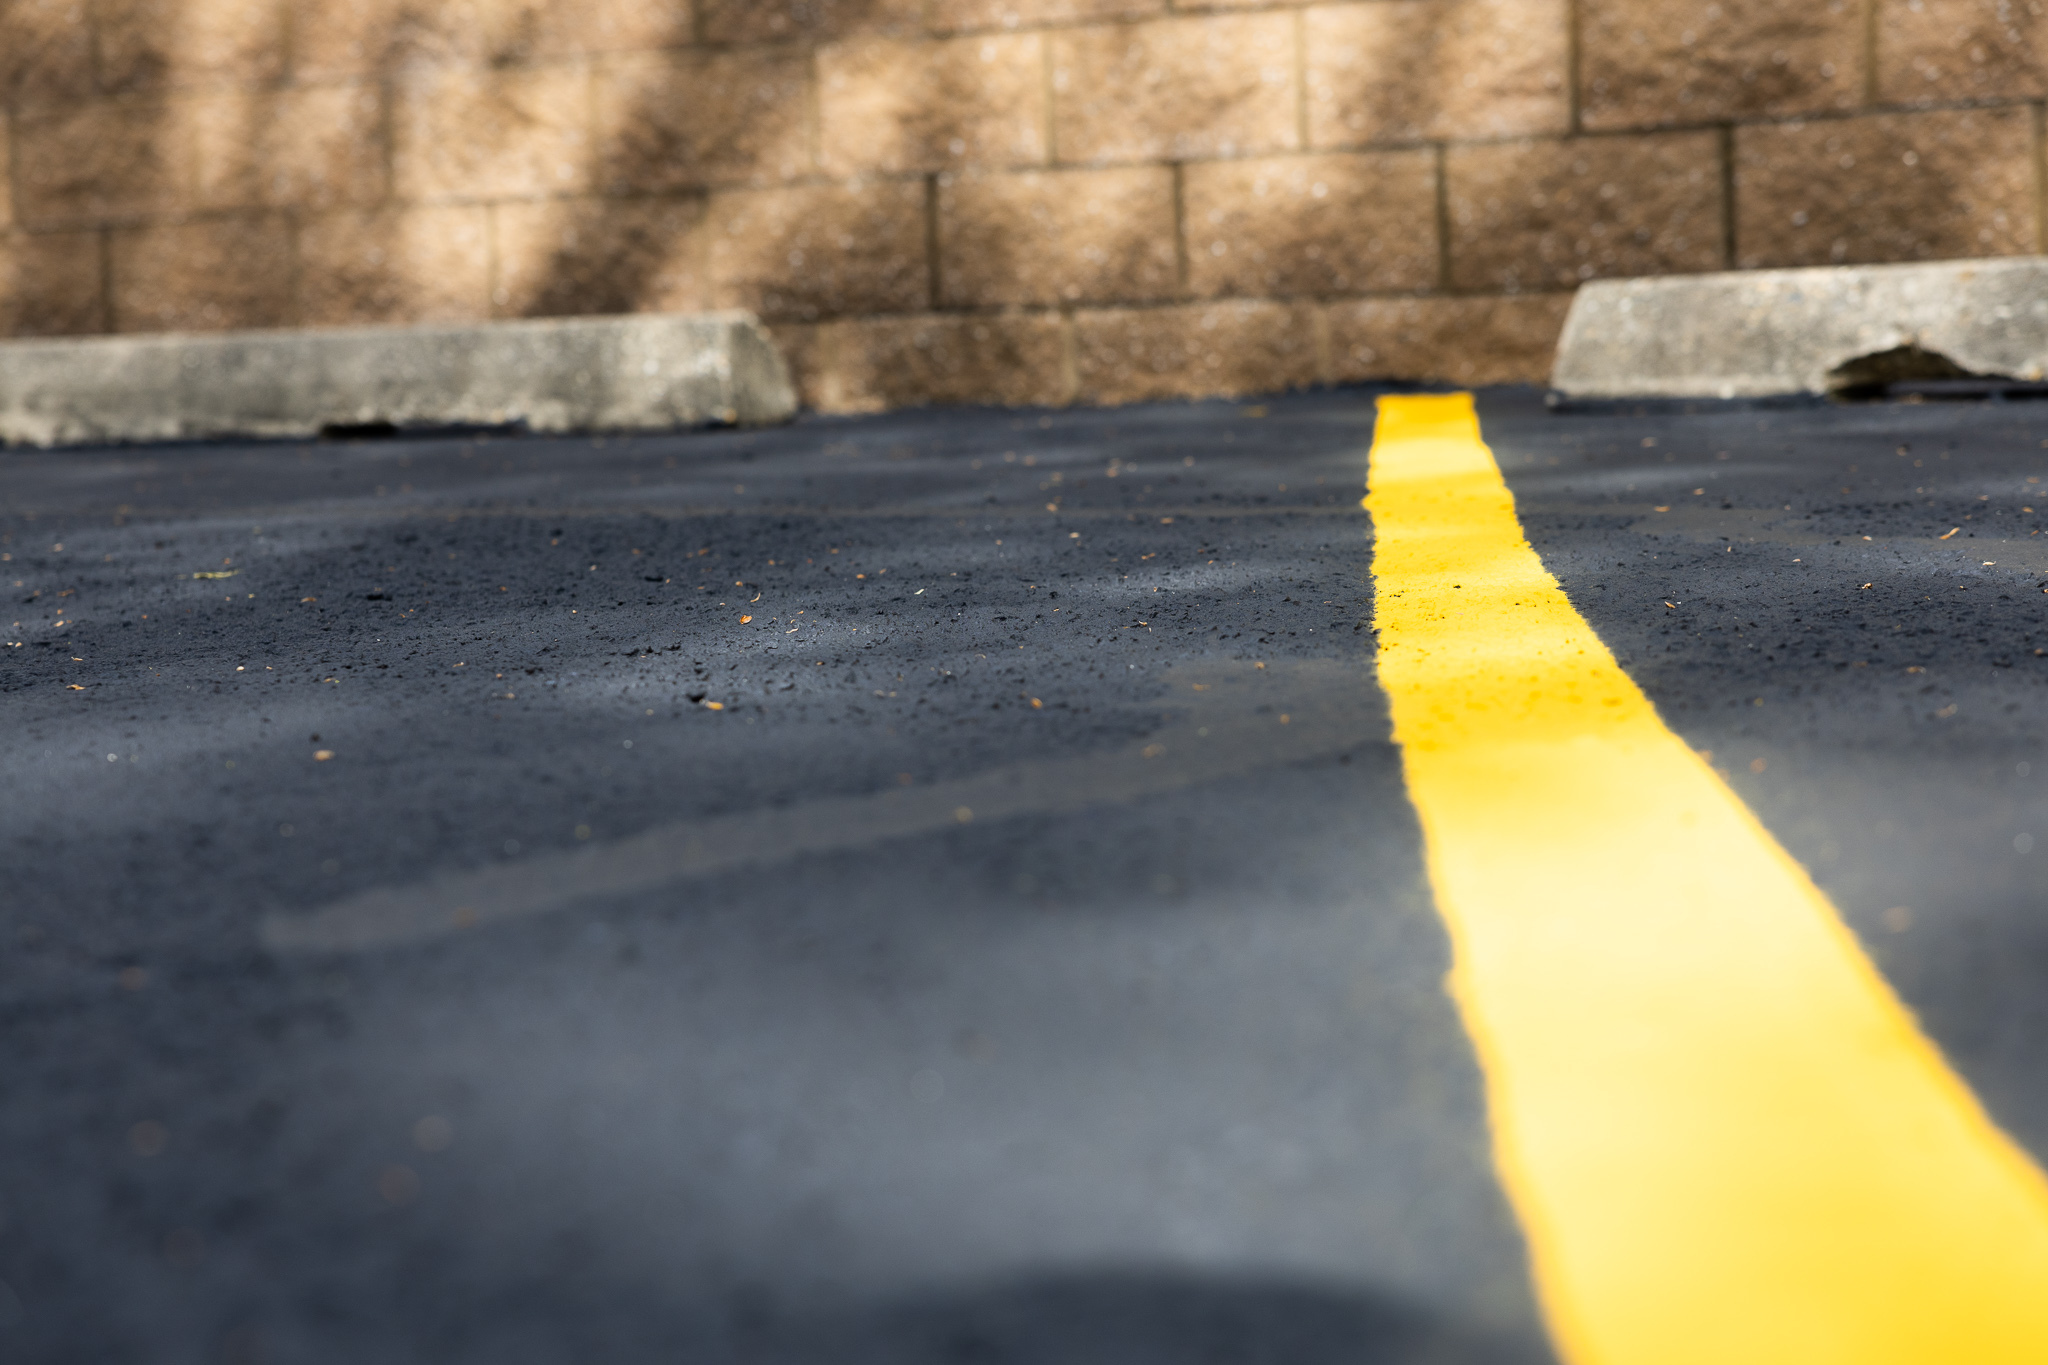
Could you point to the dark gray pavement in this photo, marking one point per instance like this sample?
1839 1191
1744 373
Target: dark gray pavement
1860 638
1010 970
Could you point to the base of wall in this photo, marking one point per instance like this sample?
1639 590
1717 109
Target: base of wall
1217 349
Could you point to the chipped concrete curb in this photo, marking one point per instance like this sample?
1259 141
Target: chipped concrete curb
636 373
1773 333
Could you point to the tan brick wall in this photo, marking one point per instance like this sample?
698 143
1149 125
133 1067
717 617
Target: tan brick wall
1004 201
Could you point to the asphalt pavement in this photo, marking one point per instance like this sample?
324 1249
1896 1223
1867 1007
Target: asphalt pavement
923 888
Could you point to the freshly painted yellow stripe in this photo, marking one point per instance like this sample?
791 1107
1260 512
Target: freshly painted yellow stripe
1727 1141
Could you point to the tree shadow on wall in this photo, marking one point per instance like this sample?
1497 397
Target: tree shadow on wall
673 129
683 107
700 123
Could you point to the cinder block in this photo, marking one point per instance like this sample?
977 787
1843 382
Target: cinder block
45 54
677 121
50 284
395 265
314 147
347 39
149 45
877 363
547 30
105 159
1210 85
1888 187
353 39
511 134
378 39
1408 70
775 21
1548 215
808 351
819 251
902 105
576 374
563 257
207 276
1335 223
1054 237
1498 340
1961 50
1125 355
1649 62
955 16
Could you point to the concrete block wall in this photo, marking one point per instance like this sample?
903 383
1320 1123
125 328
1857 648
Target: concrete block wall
998 200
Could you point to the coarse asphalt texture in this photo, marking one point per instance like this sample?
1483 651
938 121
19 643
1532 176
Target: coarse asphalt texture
924 888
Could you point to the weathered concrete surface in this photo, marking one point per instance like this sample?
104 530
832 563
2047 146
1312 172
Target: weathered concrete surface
1752 334
639 373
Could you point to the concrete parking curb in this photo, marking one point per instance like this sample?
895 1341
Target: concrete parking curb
636 373
1834 330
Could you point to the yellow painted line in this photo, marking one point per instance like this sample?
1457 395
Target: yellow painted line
1726 1139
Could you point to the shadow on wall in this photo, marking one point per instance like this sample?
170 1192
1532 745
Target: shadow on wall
1407 199
491 102
681 138
188 164
600 183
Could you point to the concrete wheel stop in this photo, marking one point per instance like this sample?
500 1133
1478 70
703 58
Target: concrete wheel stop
643 372
1948 329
